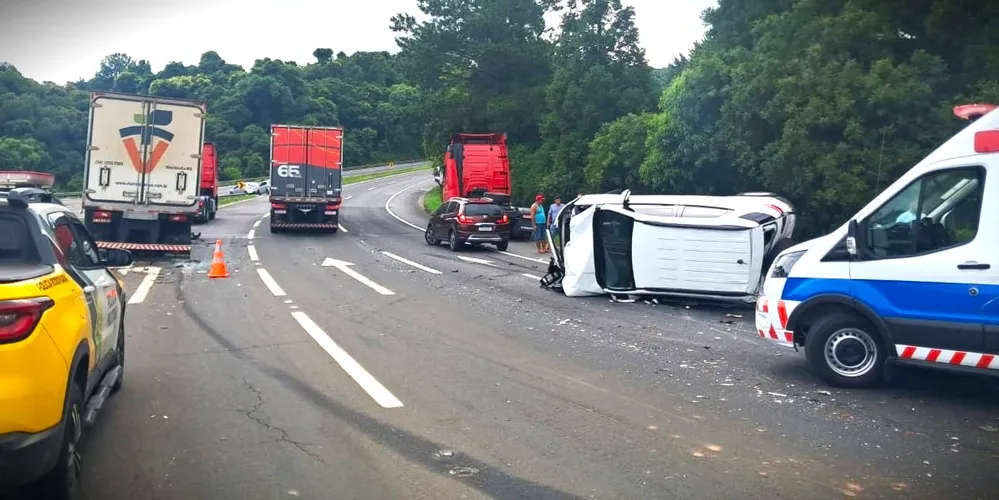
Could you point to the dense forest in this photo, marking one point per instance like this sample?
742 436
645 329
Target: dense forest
823 101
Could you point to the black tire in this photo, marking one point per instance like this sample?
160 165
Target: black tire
119 353
502 246
428 237
211 215
275 230
847 337
61 483
452 240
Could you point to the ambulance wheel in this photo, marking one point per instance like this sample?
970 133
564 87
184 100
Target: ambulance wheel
845 350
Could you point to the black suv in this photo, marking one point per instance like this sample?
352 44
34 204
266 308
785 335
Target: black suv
469 220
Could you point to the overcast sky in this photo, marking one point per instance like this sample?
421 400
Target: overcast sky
64 40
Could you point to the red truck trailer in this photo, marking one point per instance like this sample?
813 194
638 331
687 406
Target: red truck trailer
306 181
208 195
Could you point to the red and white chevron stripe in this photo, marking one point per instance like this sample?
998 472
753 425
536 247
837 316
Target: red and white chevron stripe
303 225
771 320
948 357
145 247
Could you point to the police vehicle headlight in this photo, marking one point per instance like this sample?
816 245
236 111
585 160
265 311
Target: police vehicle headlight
782 266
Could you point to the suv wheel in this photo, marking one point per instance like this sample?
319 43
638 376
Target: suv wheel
452 240
61 483
428 235
502 246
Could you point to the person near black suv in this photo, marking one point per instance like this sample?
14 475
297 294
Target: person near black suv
469 220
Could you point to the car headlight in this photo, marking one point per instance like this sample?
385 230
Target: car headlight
782 266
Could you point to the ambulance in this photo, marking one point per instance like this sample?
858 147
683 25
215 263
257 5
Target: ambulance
911 279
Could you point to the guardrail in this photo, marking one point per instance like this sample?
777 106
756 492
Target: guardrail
70 195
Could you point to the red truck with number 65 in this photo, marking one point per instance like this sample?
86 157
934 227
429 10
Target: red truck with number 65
306 181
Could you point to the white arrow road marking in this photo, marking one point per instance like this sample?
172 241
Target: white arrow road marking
145 285
344 267
375 389
407 261
477 261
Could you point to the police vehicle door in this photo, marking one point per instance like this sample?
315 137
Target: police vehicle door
98 285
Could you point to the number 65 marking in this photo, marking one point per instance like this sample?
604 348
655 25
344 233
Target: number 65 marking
288 171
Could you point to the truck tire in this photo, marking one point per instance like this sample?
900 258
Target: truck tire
61 483
845 350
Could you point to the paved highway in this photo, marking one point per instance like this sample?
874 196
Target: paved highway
399 370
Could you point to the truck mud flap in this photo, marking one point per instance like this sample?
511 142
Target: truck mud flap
145 247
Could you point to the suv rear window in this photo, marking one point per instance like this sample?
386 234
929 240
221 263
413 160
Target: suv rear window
483 209
16 244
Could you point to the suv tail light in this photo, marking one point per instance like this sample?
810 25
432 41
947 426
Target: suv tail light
18 318
465 220
504 219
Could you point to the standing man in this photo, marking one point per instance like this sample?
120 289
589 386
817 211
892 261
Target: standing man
538 222
553 211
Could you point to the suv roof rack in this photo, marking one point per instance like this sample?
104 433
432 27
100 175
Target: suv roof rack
21 197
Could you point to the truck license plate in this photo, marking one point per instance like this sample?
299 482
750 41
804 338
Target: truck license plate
485 228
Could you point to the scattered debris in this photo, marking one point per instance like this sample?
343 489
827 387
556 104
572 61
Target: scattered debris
777 394
464 471
988 428
730 315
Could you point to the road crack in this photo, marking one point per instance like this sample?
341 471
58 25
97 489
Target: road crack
283 435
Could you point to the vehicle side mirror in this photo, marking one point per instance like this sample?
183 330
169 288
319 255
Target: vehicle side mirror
855 239
115 257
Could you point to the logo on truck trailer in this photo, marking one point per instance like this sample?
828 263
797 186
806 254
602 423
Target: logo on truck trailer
147 130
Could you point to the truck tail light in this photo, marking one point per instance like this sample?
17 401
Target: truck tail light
279 206
101 216
331 206
177 218
18 318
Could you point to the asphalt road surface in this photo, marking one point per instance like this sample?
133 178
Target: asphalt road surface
414 372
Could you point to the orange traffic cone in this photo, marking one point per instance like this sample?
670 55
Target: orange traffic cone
218 269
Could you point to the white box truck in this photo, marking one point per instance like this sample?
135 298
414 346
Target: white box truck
143 171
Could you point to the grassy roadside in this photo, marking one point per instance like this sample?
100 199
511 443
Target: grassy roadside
432 199
229 200
385 173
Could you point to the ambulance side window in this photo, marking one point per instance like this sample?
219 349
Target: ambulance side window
937 211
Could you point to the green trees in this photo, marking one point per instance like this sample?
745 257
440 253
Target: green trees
823 101
44 127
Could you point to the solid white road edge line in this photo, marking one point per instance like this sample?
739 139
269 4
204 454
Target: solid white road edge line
347 198
388 202
339 226
250 234
373 387
407 261
144 286
257 224
270 283
253 253
532 259
529 275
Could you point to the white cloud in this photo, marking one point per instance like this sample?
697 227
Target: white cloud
59 40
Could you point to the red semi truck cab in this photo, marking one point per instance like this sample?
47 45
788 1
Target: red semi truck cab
208 191
306 181
476 163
